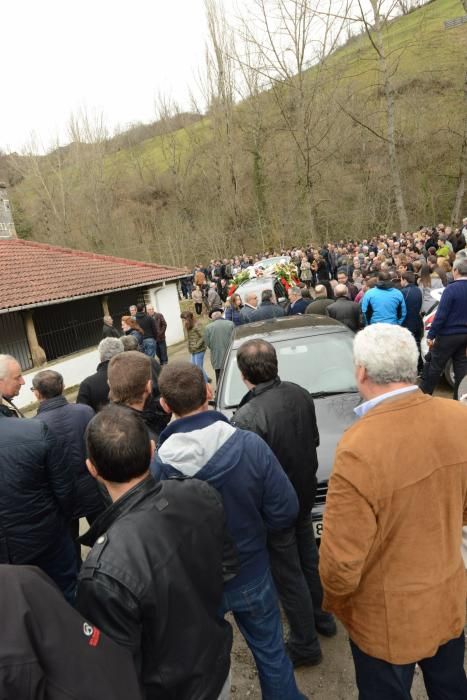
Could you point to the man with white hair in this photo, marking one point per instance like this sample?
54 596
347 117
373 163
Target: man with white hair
391 563
94 390
249 308
11 381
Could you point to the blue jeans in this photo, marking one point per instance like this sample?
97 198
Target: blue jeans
149 347
443 674
256 612
197 359
162 352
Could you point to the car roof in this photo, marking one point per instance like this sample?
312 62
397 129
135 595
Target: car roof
288 327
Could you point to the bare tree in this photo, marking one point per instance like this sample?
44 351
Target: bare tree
292 40
374 32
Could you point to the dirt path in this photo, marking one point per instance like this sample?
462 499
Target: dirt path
332 680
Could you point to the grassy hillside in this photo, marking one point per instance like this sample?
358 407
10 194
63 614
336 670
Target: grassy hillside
204 189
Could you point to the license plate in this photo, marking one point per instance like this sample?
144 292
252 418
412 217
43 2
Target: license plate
318 529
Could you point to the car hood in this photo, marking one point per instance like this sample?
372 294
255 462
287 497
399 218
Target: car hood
334 414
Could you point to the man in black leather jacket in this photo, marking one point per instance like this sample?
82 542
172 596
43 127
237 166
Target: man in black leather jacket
283 414
154 578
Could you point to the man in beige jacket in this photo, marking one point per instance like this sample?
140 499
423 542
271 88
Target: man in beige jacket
391 563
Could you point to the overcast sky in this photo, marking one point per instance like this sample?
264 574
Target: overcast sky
112 56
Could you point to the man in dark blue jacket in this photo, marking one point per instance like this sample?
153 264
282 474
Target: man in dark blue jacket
257 497
268 307
413 303
298 305
36 501
447 337
68 422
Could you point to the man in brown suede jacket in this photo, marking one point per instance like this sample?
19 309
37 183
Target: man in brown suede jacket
391 564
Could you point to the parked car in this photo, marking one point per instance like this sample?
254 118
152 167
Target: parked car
316 353
428 319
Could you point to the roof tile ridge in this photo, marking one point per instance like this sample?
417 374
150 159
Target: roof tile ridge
94 256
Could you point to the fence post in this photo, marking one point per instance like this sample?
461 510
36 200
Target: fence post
105 305
37 353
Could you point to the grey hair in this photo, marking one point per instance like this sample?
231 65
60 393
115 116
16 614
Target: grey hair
216 315
387 352
296 291
341 290
4 365
461 266
129 342
109 347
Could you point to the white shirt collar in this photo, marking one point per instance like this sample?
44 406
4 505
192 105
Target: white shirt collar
363 408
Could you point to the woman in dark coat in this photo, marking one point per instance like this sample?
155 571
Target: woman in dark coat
131 327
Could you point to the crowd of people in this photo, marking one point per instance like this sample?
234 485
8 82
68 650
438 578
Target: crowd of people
192 516
385 279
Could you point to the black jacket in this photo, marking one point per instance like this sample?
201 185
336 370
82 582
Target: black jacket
154 582
283 414
68 422
299 307
110 331
413 303
49 652
147 325
347 312
94 390
37 491
267 310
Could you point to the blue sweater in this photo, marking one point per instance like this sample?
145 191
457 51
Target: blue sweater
257 493
383 304
451 314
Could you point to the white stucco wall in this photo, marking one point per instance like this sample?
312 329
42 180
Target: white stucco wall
73 369
167 302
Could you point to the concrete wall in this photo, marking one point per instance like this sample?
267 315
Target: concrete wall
167 302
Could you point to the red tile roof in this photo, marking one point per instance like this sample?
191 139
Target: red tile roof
33 274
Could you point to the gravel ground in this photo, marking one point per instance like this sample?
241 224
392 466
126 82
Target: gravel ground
333 679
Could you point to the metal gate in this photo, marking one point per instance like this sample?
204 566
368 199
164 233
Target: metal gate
13 339
63 329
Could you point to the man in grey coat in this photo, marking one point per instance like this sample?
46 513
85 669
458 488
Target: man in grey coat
214 300
217 337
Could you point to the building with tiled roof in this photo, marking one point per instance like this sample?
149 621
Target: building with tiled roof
38 274
53 299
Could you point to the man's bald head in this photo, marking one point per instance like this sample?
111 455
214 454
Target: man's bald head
340 291
320 291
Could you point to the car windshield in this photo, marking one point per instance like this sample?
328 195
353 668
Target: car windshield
322 364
